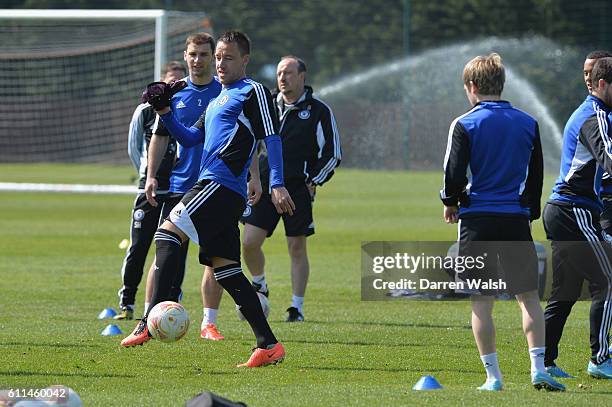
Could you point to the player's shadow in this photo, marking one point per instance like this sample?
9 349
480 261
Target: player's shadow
353 343
368 343
194 369
220 372
388 369
50 345
64 374
392 324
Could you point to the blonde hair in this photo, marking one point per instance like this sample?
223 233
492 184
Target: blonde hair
487 73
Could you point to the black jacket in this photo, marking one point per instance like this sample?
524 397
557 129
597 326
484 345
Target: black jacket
141 130
311 142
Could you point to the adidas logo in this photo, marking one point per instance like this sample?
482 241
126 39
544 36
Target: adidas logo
181 105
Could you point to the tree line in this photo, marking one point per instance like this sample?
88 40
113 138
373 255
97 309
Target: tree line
336 37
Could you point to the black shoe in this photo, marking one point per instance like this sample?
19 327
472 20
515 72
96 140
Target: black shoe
294 315
257 288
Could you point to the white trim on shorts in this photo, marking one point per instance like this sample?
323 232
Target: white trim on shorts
180 215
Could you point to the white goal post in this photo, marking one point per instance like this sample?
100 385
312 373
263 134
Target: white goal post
71 79
160 17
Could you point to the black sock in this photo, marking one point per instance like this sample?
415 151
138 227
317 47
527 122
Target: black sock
238 286
176 294
167 257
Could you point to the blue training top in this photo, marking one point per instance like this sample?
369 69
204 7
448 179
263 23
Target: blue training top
584 157
232 123
188 105
493 162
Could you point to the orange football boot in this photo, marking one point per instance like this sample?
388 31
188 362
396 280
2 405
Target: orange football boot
211 332
139 335
264 357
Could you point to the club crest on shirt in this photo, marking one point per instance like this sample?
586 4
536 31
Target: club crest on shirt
304 114
139 215
222 100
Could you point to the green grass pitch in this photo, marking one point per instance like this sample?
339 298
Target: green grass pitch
59 267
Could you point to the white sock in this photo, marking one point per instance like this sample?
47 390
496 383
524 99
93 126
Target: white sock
146 307
297 302
261 280
491 365
210 316
537 359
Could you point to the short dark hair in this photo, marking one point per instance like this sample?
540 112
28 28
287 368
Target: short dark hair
173 66
240 38
598 54
602 70
201 38
300 62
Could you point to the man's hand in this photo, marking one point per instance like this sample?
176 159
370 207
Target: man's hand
282 201
312 190
150 190
254 191
451 214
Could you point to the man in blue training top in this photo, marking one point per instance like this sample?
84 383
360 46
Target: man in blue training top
188 105
572 223
501 146
209 213
606 180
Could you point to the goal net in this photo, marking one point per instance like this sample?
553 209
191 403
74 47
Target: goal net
71 79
